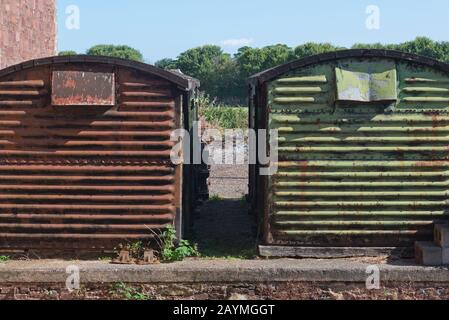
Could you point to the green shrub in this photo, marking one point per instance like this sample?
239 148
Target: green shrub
215 198
67 53
123 52
227 117
170 252
4 259
222 116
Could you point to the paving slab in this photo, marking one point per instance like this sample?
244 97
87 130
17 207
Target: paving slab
428 254
221 271
446 256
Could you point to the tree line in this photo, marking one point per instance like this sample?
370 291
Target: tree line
223 76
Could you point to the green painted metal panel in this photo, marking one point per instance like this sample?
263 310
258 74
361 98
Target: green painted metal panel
366 81
370 168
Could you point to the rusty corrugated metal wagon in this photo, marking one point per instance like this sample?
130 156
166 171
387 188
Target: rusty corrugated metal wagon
363 146
85 153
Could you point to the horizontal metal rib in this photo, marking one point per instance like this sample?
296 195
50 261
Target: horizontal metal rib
305 79
74 236
382 174
359 213
143 94
87 153
425 99
4 113
425 90
162 134
295 100
87 168
150 84
149 114
292 140
364 184
83 124
22 93
166 178
28 83
89 217
352 232
426 80
83 228
98 188
147 104
377 119
126 208
299 90
93 169
364 164
352 129
59 143
360 204
353 223
364 149
66 197
18 103
370 194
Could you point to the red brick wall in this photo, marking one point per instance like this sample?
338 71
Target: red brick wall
27 30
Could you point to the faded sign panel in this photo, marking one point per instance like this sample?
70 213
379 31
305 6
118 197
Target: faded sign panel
81 88
367 82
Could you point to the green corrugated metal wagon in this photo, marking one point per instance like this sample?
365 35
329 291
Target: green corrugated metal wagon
363 147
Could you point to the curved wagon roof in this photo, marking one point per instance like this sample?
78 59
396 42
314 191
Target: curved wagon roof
275 72
184 82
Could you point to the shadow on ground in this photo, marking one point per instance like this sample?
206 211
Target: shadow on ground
224 229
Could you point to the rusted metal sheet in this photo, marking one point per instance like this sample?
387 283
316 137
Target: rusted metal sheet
370 172
83 88
89 178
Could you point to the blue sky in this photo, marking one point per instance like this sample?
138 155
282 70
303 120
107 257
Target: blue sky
165 28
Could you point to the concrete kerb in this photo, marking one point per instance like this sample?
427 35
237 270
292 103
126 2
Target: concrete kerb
197 272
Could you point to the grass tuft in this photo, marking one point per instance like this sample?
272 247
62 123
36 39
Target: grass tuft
124 291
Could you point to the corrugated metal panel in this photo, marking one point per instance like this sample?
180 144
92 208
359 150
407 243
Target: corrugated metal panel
358 174
86 176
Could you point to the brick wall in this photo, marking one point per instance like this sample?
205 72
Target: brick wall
27 30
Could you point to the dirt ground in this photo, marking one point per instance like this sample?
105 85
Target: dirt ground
224 228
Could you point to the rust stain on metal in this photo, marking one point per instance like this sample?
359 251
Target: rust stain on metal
90 178
371 172
83 88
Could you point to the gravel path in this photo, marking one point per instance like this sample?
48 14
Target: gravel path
228 181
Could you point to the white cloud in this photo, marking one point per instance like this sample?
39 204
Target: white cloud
237 42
